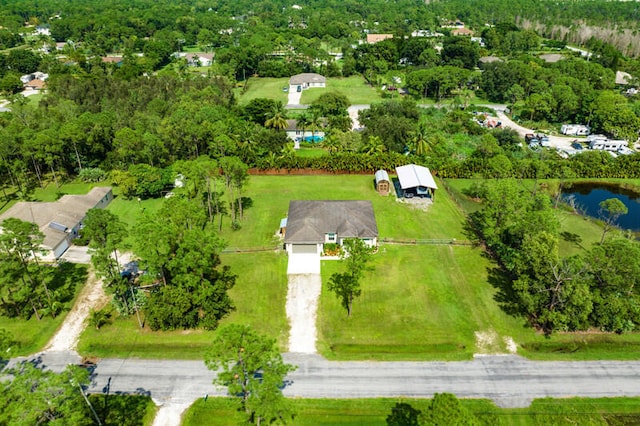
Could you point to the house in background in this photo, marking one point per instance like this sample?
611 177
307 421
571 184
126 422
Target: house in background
300 82
198 59
383 183
416 181
59 221
116 60
311 224
298 134
462 32
375 38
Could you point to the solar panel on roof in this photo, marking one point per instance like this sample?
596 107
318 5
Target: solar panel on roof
57 226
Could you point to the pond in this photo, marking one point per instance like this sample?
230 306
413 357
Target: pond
586 197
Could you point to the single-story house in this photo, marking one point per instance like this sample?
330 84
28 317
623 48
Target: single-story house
198 59
298 134
375 38
466 32
59 221
300 82
117 60
551 57
383 183
35 84
312 223
416 181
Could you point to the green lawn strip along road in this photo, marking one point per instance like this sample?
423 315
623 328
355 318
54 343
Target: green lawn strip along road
259 296
316 412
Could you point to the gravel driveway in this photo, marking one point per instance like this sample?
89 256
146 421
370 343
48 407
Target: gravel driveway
302 307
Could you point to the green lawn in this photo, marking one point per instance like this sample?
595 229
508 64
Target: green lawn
421 303
270 88
259 295
354 88
317 412
270 196
311 152
30 335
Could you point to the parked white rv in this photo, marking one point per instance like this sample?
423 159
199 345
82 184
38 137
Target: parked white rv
608 145
575 129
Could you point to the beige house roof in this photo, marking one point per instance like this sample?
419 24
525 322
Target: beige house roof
68 212
374 38
461 32
552 57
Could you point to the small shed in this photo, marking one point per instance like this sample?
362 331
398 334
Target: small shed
383 183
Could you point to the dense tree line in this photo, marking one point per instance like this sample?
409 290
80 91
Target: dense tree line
554 292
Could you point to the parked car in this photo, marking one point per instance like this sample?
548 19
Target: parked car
577 146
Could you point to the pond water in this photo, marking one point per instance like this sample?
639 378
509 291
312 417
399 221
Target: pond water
587 198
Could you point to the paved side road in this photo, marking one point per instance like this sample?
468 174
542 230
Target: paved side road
510 381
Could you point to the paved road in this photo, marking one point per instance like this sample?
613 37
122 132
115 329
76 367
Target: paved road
510 381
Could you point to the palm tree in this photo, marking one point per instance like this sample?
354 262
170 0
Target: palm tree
314 124
374 145
332 144
277 117
303 122
419 142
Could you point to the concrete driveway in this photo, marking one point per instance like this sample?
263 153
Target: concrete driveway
303 263
77 254
294 97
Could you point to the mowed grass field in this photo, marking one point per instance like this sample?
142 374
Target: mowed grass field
424 302
263 87
318 412
355 88
270 196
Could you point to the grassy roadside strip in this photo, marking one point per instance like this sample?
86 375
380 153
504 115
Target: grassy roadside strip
316 412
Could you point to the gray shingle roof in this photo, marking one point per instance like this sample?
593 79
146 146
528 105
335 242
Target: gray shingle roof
306 78
309 221
68 211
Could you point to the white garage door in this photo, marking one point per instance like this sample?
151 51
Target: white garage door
304 248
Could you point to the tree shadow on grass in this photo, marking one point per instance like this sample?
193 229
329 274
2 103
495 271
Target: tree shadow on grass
506 297
572 238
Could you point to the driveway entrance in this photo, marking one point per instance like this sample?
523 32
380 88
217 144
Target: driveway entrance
303 263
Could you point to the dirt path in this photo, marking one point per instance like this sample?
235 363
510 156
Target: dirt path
302 307
92 296
170 414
